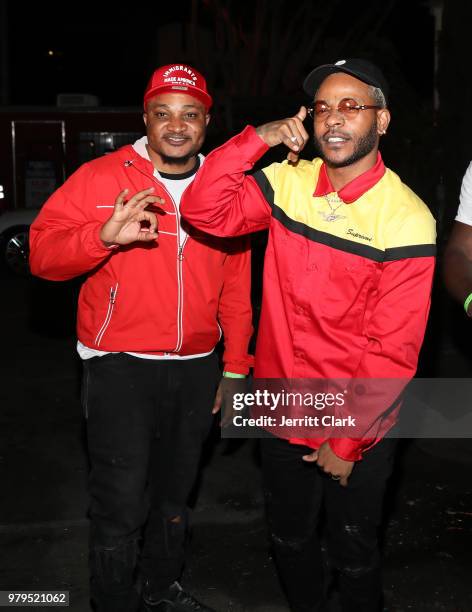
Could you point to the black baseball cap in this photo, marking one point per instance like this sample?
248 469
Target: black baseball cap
361 69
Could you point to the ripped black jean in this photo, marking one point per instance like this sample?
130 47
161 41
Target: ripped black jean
296 494
146 423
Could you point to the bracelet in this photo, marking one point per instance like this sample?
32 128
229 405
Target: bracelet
232 375
467 302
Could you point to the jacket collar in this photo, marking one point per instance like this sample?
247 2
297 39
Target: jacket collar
355 188
138 155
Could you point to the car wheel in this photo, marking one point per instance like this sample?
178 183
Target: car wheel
15 250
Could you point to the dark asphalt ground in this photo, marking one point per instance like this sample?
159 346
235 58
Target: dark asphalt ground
43 467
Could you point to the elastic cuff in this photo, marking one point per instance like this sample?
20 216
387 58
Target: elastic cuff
345 448
99 242
238 366
250 145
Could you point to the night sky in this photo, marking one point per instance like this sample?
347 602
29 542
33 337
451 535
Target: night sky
109 50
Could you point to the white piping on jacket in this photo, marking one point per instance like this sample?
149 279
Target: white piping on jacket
180 248
106 322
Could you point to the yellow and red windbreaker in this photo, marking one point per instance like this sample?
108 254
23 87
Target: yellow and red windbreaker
344 298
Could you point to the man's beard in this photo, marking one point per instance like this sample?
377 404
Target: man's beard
364 145
177 161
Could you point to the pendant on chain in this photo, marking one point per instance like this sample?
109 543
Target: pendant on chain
331 215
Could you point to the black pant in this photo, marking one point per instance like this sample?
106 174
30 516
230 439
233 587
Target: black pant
295 493
146 422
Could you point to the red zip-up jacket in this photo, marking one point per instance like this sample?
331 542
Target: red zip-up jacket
347 288
154 298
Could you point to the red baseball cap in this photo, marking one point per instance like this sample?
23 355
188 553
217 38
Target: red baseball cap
179 78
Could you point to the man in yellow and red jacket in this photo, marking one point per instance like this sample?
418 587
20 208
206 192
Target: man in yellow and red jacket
347 282
157 298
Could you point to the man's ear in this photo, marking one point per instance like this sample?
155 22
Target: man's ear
383 120
207 118
145 118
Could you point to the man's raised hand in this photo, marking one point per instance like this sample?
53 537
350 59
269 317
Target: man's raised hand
289 132
125 224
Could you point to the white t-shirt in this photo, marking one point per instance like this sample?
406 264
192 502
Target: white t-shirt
464 214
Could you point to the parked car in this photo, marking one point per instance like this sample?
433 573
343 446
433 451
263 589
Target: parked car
14 240
40 147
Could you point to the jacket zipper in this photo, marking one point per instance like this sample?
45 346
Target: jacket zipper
180 258
180 272
106 322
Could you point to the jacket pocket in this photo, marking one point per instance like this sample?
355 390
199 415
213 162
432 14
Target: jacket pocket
107 321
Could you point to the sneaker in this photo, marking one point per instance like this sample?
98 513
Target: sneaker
175 599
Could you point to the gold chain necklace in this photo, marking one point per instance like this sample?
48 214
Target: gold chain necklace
331 215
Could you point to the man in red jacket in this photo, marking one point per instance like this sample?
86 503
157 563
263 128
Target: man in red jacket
347 282
157 298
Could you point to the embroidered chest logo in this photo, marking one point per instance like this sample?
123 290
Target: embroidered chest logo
354 234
